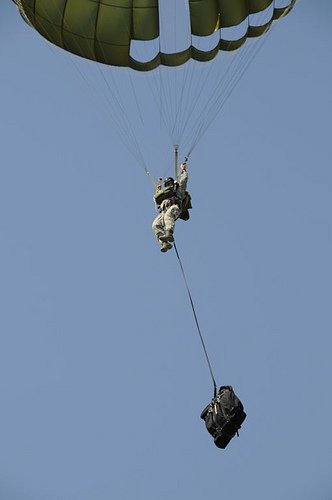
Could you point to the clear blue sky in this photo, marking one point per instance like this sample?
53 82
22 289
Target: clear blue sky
102 377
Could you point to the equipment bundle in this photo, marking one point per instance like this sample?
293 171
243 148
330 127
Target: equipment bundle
224 416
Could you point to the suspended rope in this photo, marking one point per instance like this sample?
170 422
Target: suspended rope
196 321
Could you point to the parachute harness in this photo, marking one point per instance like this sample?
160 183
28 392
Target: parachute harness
196 320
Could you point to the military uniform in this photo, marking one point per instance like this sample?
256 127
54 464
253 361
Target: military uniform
169 208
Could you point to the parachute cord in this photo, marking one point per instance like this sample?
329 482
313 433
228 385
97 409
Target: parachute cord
196 320
150 177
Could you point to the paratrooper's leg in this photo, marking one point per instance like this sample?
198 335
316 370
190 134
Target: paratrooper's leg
158 227
170 217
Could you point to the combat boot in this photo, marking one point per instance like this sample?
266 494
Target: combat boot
165 246
168 236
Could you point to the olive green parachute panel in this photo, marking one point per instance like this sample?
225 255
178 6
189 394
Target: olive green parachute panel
204 17
80 17
113 32
233 13
115 55
256 6
48 17
79 26
49 31
114 23
51 12
145 20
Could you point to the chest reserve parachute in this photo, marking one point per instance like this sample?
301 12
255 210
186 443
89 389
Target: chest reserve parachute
167 67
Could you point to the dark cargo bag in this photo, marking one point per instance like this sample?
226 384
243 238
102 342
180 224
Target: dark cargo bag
224 416
186 206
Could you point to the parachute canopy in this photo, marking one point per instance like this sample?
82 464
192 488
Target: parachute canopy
176 103
104 30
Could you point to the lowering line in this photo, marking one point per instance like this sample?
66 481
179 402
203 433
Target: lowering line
196 321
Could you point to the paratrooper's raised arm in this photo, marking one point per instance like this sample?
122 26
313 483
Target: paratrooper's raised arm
183 178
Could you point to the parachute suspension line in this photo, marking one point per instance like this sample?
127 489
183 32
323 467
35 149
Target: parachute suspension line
135 96
111 114
223 89
165 86
116 112
122 127
156 85
127 126
150 177
191 90
203 111
118 104
245 57
193 98
88 83
196 320
196 98
119 115
212 107
217 99
172 81
180 96
200 87
121 134
176 72
184 103
158 91
164 81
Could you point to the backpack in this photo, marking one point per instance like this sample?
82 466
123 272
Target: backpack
185 207
223 416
